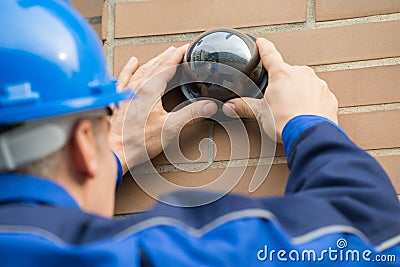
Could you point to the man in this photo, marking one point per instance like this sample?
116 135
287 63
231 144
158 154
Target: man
57 179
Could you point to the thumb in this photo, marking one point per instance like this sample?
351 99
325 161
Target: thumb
245 107
191 114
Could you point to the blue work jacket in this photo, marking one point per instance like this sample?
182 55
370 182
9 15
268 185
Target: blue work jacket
339 209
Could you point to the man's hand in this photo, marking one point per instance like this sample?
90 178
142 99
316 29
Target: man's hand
148 127
292 91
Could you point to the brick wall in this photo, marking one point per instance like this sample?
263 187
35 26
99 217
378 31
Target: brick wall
352 44
92 10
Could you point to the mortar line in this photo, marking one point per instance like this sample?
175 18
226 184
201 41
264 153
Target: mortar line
384 152
275 28
193 167
311 6
359 20
110 41
361 64
189 36
311 21
155 39
369 108
211 148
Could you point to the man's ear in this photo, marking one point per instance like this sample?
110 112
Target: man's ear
84 148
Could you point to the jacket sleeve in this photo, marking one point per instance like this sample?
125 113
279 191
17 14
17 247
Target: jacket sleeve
326 164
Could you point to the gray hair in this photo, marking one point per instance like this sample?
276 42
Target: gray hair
24 149
45 167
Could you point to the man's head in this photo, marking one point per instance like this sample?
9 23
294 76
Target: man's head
84 164
54 92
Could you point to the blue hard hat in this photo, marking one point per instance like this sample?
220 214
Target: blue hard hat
51 62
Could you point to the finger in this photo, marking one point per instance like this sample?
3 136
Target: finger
170 56
165 54
176 56
126 73
245 107
167 67
271 59
148 69
166 61
189 115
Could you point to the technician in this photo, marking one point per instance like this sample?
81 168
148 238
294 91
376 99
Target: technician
60 155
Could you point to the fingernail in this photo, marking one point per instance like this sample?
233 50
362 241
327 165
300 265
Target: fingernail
231 106
210 108
229 109
132 60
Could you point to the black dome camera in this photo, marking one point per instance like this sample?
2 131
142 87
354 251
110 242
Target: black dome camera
216 59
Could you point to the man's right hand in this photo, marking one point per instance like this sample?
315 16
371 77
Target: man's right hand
292 91
150 126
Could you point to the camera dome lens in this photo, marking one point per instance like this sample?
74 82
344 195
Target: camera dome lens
230 48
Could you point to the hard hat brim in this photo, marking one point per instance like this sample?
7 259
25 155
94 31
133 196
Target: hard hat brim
13 115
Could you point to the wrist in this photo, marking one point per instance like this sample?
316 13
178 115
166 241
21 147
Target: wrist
298 124
120 173
117 148
122 161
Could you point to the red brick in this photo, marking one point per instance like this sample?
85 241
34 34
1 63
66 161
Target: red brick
223 143
193 179
97 28
373 130
339 44
273 185
89 8
131 198
377 85
146 18
104 21
143 52
343 9
189 141
391 164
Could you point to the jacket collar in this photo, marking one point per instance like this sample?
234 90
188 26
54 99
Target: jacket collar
24 189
